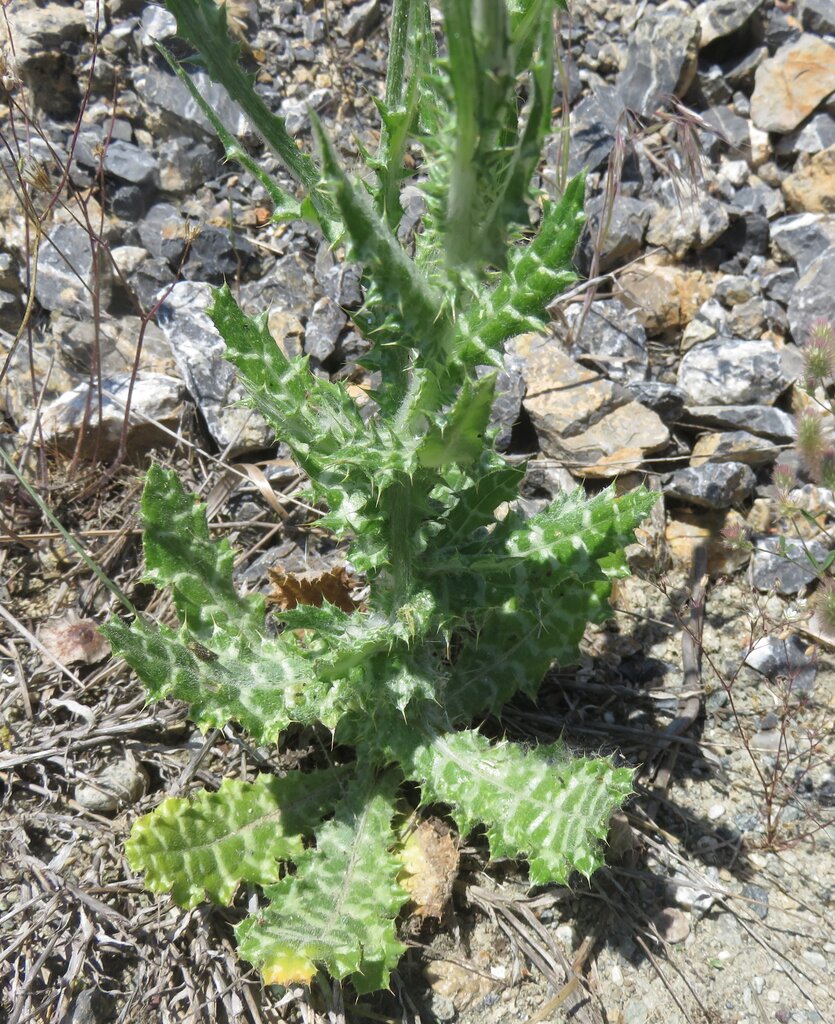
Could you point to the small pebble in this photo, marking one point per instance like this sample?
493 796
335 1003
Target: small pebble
773 996
616 974
715 812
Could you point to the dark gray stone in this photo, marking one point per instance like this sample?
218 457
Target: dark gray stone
625 236
198 350
10 312
507 404
361 20
148 280
775 657
323 328
128 162
610 337
780 285
817 134
782 564
818 16
731 130
593 124
712 86
660 60
163 232
214 255
758 895
760 200
185 164
666 400
719 19
713 485
801 237
67 272
169 104
732 371
127 202
814 297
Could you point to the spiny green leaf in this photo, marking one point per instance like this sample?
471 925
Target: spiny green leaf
540 803
179 554
205 846
338 909
460 438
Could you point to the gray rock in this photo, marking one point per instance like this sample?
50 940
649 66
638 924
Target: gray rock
801 237
732 371
691 225
782 564
735 289
713 485
170 107
625 235
780 285
758 895
611 337
198 350
67 272
90 1006
762 420
323 328
731 131
163 232
712 86
184 164
818 16
127 202
118 785
760 199
814 297
148 279
129 163
158 24
507 404
817 134
775 658
666 400
593 125
214 255
661 60
155 401
361 20
35 29
720 18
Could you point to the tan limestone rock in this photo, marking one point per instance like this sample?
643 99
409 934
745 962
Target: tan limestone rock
811 189
791 84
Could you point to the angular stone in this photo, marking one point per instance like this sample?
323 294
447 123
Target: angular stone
814 296
507 404
663 296
186 164
733 446
666 400
812 187
118 785
719 18
129 163
616 444
661 60
818 16
198 350
784 572
611 337
776 658
732 371
156 401
361 20
626 228
170 106
816 134
323 328
687 529
762 420
35 29
67 272
792 84
563 398
678 229
802 237
593 126
713 485
214 255
163 232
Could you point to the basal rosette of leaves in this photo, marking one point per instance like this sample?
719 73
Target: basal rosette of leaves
465 609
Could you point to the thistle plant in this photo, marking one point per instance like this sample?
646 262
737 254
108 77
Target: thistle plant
465 608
